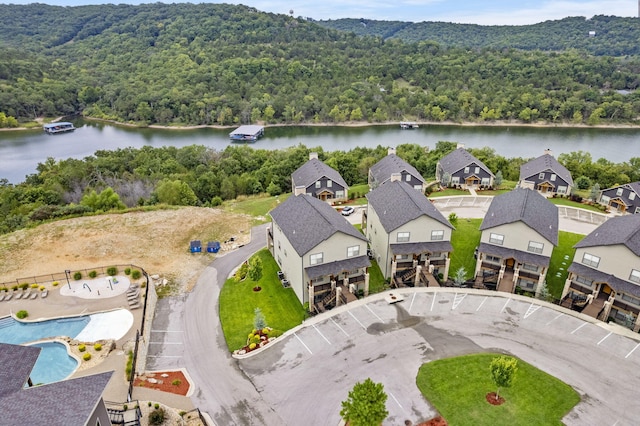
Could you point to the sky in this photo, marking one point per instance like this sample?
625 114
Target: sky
496 12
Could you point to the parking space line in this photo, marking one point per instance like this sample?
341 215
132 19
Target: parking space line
300 340
433 301
376 315
632 350
167 343
394 398
412 299
338 325
457 299
482 303
532 308
357 320
554 319
505 305
604 338
579 327
320 333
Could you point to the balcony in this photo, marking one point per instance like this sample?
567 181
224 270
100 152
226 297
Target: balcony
492 266
528 274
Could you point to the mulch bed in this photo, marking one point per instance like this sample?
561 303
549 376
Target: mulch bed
164 382
436 421
491 399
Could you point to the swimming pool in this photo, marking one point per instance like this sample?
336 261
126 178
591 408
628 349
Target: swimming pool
53 364
16 332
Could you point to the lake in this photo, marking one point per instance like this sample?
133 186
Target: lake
21 151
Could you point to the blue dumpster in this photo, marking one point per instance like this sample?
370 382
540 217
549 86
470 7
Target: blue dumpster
213 246
195 246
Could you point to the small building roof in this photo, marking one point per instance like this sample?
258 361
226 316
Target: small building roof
397 203
527 206
623 230
543 163
337 267
458 160
312 171
68 402
57 124
383 169
249 129
307 221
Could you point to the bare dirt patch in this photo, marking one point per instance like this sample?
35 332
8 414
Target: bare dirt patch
166 381
157 241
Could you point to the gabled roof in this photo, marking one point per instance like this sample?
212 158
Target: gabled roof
617 230
527 206
383 169
307 221
634 186
68 403
458 160
543 163
397 203
313 170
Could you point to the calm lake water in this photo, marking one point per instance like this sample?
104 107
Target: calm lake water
21 151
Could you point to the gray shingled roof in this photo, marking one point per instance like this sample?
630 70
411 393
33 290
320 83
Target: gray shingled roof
617 230
518 255
635 186
307 221
16 363
620 286
458 160
65 403
397 203
383 169
543 163
527 206
337 267
313 170
424 247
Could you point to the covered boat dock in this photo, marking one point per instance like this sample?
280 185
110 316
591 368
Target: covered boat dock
58 127
248 133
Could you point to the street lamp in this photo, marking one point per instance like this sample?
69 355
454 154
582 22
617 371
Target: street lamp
66 274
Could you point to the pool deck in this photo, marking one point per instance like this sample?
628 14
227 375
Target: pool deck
62 302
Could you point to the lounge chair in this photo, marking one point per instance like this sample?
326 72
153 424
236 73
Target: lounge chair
44 293
8 297
2 296
34 295
18 295
26 294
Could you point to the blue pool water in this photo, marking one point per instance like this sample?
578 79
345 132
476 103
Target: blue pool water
16 332
53 364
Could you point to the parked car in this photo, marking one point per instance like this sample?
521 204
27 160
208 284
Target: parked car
347 211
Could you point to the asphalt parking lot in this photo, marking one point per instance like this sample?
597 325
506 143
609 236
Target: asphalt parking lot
310 371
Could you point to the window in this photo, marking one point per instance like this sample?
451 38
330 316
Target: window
466 169
529 267
455 180
437 235
493 259
553 177
496 239
407 178
584 281
619 191
353 251
315 259
477 170
632 196
562 190
541 175
402 257
635 276
403 237
329 183
535 247
590 260
339 194
417 187
604 199
630 299
318 183
485 181
637 209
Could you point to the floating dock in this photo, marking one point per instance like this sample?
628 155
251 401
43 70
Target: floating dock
406 125
249 133
59 127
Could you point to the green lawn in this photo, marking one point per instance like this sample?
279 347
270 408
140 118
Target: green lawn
464 239
376 280
569 203
457 388
561 259
257 206
280 306
448 193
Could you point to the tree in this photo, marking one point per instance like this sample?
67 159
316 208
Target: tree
498 179
365 405
255 268
583 182
176 193
595 191
453 218
503 370
259 322
107 200
460 276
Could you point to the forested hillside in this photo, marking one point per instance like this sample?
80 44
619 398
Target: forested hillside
187 64
600 35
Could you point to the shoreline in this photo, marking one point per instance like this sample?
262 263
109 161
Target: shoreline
495 124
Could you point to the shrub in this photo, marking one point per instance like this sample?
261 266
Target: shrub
255 339
112 270
252 346
93 274
86 356
14 288
127 271
181 413
55 283
156 417
34 285
241 274
24 286
156 406
42 288
129 367
149 403
97 347
82 348
135 274
176 382
22 314
77 275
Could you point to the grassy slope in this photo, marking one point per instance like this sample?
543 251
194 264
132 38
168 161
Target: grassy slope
457 388
465 238
560 261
